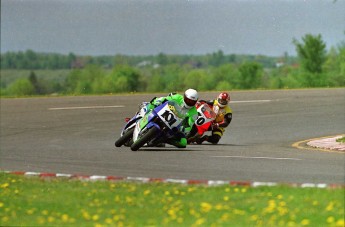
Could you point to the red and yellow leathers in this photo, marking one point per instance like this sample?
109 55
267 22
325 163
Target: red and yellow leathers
223 119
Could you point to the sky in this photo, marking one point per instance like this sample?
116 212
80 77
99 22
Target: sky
150 27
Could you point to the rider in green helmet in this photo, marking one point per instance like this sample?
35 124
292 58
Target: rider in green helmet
187 103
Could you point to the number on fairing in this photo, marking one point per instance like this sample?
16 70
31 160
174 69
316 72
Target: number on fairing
200 121
169 117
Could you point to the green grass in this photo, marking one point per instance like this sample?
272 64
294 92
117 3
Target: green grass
8 76
341 140
32 201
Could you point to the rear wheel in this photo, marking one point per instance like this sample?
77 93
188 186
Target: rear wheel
124 138
150 133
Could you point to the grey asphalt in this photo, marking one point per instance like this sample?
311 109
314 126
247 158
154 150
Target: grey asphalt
76 135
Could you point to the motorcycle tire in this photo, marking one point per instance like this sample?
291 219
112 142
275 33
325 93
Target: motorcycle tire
144 139
124 138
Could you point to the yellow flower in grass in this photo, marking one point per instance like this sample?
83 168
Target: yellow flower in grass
1 204
41 220
200 221
5 219
271 207
5 185
180 220
191 189
315 203
65 218
282 210
219 207
291 224
51 219
254 217
224 217
194 213
305 222
205 207
95 217
108 221
239 212
330 220
330 206
146 192
172 214
340 223
30 211
129 200
132 188
86 215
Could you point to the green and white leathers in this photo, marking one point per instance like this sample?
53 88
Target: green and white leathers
191 115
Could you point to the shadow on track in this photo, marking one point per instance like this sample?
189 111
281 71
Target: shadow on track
220 144
189 146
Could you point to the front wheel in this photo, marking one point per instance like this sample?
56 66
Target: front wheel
151 133
124 138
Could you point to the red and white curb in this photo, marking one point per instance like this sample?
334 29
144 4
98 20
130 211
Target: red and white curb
176 181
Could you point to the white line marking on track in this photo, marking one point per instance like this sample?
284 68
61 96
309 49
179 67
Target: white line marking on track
83 107
246 157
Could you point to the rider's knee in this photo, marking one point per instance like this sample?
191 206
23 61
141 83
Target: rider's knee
214 139
183 143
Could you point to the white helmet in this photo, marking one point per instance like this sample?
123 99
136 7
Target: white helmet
190 98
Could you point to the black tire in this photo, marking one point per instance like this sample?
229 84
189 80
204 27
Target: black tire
151 133
124 138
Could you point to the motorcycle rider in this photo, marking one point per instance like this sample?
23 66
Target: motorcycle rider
187 103
224 116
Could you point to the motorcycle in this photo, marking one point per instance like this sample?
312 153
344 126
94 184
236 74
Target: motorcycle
158 125
206 116
128 129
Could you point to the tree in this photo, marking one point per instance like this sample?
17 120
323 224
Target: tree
20 87
312 53
251 74
217 58
35 83
162 59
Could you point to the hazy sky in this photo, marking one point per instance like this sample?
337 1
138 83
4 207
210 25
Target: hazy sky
142 27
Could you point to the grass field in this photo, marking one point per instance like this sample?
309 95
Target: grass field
33 201
10 75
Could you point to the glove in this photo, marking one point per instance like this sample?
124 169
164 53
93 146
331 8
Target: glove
215 126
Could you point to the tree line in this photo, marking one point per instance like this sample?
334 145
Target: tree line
314 67
34 61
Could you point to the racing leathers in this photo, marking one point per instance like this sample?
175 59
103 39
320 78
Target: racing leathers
179 139
223 119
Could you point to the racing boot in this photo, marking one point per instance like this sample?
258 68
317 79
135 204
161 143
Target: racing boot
201 139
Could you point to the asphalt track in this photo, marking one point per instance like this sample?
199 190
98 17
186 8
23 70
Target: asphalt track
76 135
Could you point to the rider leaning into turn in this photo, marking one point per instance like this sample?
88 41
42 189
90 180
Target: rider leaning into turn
224 116
187 103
